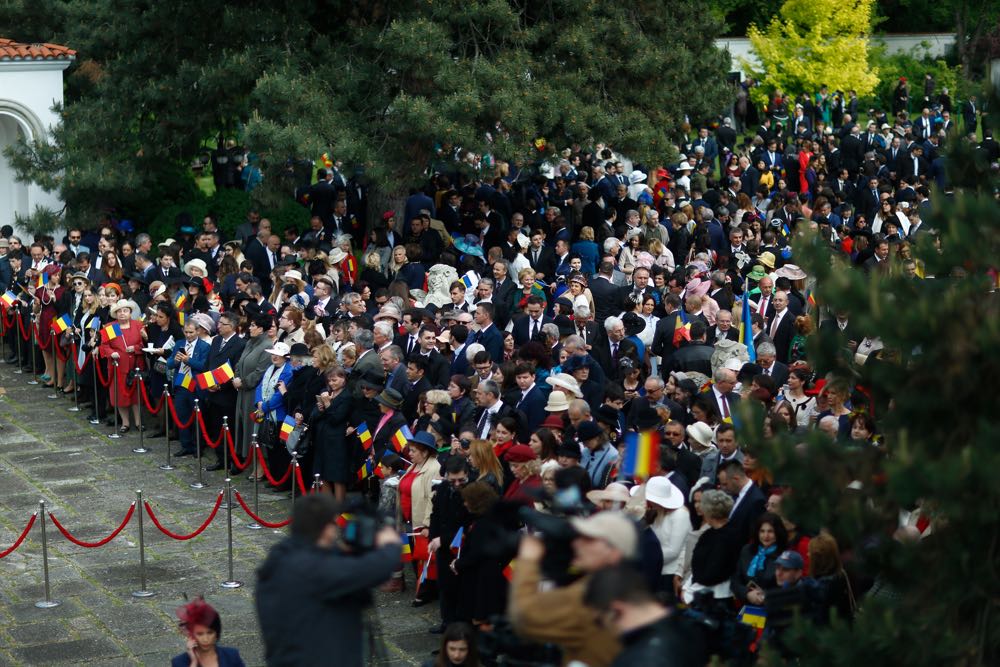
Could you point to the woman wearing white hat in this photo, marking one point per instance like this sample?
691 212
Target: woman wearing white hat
248 372
268 396
121 341
671 525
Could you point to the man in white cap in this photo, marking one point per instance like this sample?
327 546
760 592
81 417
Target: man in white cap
559 616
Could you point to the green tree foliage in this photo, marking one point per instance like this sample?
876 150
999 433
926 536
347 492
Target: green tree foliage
812 43
389 87
940 429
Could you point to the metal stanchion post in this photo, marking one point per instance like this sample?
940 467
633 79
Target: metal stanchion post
198 484
225 455
231 582
316 485
166 424
254 450
294 478
48 602
17 341
34 361
141 449
97 397
114 369
143 592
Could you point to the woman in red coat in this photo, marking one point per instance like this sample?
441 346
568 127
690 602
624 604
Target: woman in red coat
527 480
48 296
126 349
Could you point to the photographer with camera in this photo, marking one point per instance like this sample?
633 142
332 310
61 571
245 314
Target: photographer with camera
315 584
559 615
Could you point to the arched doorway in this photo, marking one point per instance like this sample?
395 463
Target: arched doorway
14 200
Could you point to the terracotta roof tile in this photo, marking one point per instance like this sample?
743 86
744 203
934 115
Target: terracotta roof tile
11 50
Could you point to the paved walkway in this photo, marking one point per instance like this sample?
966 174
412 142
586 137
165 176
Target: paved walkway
88 481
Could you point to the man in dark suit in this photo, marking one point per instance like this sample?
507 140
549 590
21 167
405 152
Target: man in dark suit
491 409
541 257
723 328
488 335
696 354
227 347
852 151
256 252
750 501
687 462
322 197
438 367
770 366
773 159
530 399
605 293
916 164
612 347
417 384
526 327
490 234
663 337
841 327
781 326
869 199
451 213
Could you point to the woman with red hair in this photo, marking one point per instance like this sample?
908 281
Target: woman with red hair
203 627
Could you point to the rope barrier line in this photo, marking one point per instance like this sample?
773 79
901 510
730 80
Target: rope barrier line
38 338
8 322
267 473
204 433
176 536
234 459
105 382
145 398
20 538
298 480
99 543
173 409
266 524
25 334
57 347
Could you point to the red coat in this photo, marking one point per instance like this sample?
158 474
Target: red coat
132 336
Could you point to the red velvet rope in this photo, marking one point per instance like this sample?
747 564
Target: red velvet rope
38 338
172 408
204 433
25 334
201 528
145 398
267 473
24 534
298 480
266 524
100 543
8 323
232 453
105 382
58 348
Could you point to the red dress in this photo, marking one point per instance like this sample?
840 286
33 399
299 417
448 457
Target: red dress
47 314
132 336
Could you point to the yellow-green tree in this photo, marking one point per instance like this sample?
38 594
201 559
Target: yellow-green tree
813 43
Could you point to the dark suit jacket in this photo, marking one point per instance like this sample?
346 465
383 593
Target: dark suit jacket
219 354
438 371
601 352
546 263
746 512
852 154
606 298
533 407
732 334
779 372
412 395
693 357
380 438
256 254
522 328
492 340
782 338
322 197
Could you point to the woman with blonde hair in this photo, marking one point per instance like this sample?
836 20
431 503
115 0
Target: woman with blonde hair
518 298
661 254
486 463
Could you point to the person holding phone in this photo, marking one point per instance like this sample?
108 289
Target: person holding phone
202 626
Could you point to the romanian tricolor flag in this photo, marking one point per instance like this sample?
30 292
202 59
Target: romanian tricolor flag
401 437
682 330
8 299
60 324
456 543
642 454
407 549
187 381
110 332
181 317
42 280
364 435
220 375
180 301
287 427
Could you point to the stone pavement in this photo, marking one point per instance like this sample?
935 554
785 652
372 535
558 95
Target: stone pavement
88 482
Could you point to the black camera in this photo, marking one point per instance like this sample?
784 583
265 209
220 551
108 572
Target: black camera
362 525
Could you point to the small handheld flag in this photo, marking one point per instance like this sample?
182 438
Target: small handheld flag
401 437
456 544
110 332
187 381
95 323
540 284
407 549
746 328
287 427
682 331
364 435
180 301
8 299
755 617
42 280
642 454
62 323
220 375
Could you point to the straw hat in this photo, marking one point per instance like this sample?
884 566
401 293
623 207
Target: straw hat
121 303
557 402
615 492
196 264
565 381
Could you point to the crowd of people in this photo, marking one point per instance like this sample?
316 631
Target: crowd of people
481 357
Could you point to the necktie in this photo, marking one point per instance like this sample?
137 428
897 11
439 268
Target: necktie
767 371
411 343
535 256
534 328
725 407
875 194
614 351
482 423
763 306
774 324
583 333
916 166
